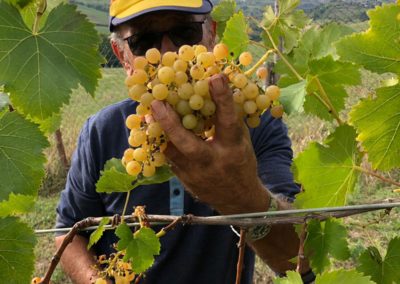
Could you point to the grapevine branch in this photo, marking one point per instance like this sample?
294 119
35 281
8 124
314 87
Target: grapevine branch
374 174
242 247
300 255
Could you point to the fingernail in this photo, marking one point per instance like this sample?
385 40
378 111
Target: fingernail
158 109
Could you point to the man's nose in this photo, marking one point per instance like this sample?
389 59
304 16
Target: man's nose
167 44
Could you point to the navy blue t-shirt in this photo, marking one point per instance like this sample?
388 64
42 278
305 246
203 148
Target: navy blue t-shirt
189 254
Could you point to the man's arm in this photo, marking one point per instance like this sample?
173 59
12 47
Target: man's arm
223 171
77 261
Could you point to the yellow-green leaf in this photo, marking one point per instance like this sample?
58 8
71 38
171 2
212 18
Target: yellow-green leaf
235 34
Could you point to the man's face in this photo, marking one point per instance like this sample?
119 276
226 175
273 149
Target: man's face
159 23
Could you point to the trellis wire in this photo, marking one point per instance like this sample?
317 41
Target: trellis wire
251 219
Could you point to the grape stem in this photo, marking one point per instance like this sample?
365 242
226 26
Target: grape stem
126 204
259 63
378 176
300 255
39 13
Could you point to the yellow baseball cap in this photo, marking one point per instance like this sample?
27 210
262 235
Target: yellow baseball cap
124 10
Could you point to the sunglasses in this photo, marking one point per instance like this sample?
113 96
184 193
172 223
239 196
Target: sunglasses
185 33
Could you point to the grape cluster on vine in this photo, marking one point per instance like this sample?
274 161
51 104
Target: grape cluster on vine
182 80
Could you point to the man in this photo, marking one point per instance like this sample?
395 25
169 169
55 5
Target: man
219 176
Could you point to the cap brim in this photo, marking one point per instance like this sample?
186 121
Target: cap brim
204 9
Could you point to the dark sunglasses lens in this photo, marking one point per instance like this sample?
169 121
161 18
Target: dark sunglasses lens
188 34
139 44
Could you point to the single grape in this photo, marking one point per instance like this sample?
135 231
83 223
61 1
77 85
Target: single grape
238 97
136 91
245 58
133 121
262 73
140 154
196 102
173 98
132 142
38 280
273 92
138 76
133 168
159 159
197 72
140 62
208 108
186 53
185 91
250 91
139 137
166 75
153 55
154 130
183 107
180 78
253 121
128 155
169 58
277 111
142 110
206 59
148 169
210 133
249 107
212 70
189 121
240 80
180 65
221 51
199 49
160 92
146 99
201 88
263 102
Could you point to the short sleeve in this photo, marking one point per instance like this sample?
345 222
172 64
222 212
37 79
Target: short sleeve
274 156
79 199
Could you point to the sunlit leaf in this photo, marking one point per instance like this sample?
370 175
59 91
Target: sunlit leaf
343 277
235 34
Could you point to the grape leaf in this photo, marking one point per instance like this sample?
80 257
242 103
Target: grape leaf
385 271
292 97
46 66
324 240
16 204
141 247
343 277
115 179
287 24
21 155
327 171
96 234
17 243
21 3
292 277
235 34
221 13
4 101
378 48
378 125
50 124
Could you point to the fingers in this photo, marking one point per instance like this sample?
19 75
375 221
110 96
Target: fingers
184 140
228 127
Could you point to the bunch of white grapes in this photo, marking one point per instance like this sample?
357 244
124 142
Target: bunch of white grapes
182 80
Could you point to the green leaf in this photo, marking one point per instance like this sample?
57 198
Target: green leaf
4 101
385 271
377 49
292 97
378 125
327 171
287 24
17 243
50 124
16 204
96 234
324 240
235 34
115 179
221 13
343 277
141 247
21 3
21 155
46 66
292 277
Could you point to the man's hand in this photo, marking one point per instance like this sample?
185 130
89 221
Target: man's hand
222 171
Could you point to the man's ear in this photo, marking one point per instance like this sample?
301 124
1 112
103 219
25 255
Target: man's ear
121 57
